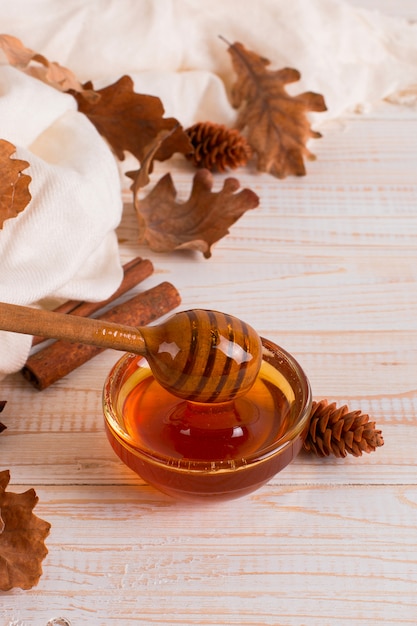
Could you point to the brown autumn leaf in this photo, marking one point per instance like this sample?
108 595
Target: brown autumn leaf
2 405
276 123
166 225
39 67
141 177
22 535
130 121
14 186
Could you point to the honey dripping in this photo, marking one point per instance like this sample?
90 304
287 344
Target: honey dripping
186 431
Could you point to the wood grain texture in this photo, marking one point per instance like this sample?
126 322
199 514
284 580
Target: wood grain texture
327 268
285 555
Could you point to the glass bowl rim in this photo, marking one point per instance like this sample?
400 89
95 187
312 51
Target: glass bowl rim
206 466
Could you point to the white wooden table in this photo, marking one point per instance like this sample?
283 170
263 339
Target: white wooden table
326 267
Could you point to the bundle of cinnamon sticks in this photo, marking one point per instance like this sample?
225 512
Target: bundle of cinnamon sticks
56 360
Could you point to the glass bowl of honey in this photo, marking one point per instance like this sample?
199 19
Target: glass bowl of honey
204 451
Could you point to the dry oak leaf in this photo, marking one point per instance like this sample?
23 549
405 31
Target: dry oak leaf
2 405
14 186
166 225
39 67
22 536
276 123
130 121
141 176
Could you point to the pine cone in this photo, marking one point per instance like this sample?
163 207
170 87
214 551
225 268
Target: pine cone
338 431
217 147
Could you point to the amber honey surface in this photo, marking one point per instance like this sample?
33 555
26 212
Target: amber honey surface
199 450
158 421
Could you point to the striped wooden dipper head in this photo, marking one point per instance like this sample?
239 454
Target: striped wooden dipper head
204 356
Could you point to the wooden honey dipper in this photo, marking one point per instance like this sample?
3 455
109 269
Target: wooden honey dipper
198 355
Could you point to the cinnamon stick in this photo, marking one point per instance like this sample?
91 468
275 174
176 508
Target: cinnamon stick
134 272
58 359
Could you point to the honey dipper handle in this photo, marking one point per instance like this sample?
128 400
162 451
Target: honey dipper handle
29 321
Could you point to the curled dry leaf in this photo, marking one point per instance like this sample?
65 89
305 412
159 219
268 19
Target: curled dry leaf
141 177
130 121
276 124
38 66
196 224
22 536
14 186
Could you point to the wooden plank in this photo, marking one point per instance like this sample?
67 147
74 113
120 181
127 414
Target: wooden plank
303 556
78 458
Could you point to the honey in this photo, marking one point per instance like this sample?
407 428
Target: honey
159 421
207 450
